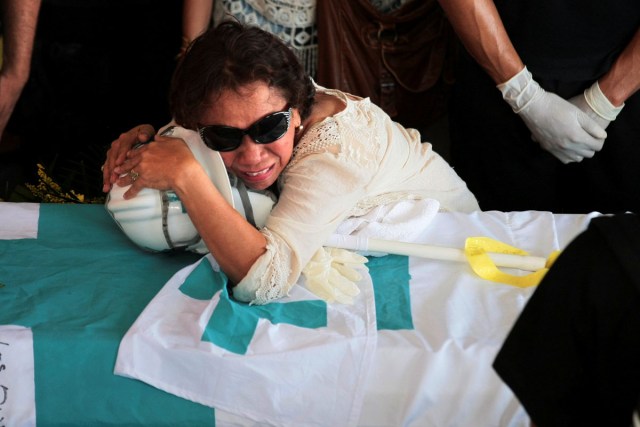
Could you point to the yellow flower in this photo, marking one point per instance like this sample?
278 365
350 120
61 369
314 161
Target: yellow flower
49 191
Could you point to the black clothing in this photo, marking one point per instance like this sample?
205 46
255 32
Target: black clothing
569 39
572 357
567 45
492 150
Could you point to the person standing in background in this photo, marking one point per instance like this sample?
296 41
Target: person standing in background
19 21
88 55
566 139
293 21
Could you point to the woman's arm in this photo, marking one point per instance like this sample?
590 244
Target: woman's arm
234 243
168 163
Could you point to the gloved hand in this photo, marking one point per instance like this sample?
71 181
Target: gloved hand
557 125
331 274
596 105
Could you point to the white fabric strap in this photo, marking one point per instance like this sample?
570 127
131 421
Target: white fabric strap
600 104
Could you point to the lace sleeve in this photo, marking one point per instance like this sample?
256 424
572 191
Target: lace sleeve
319 188
268 279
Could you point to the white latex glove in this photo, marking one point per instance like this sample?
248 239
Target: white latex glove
596 105
332 274
557 125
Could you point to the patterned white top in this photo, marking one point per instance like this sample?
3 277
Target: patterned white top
342 167
293 21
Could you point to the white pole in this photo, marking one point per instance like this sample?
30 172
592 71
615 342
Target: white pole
521 262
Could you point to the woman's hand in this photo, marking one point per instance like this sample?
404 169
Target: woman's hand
117 154
163 164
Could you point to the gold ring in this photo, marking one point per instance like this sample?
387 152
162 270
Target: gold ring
134 175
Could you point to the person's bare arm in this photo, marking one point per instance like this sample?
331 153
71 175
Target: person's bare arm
196 17
482 33
556 124
623 79
19 20
605 98
234 243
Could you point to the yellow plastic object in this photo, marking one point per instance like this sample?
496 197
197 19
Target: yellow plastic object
477 252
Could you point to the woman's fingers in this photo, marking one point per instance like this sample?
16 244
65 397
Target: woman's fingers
145 165
117 153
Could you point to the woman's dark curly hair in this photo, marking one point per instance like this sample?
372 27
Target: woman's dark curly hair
230 56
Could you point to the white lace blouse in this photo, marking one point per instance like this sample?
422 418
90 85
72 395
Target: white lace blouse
344 166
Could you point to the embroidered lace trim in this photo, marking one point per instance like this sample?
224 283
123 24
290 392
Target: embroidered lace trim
328 134
319 138
274 284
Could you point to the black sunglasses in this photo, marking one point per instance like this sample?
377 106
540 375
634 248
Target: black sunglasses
265 131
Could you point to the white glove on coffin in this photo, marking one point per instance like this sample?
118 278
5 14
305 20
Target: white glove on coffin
331 274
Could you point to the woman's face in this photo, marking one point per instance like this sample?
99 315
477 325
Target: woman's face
258 165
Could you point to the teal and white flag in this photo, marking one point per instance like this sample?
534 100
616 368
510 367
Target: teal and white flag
77 299
295 362
72 285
